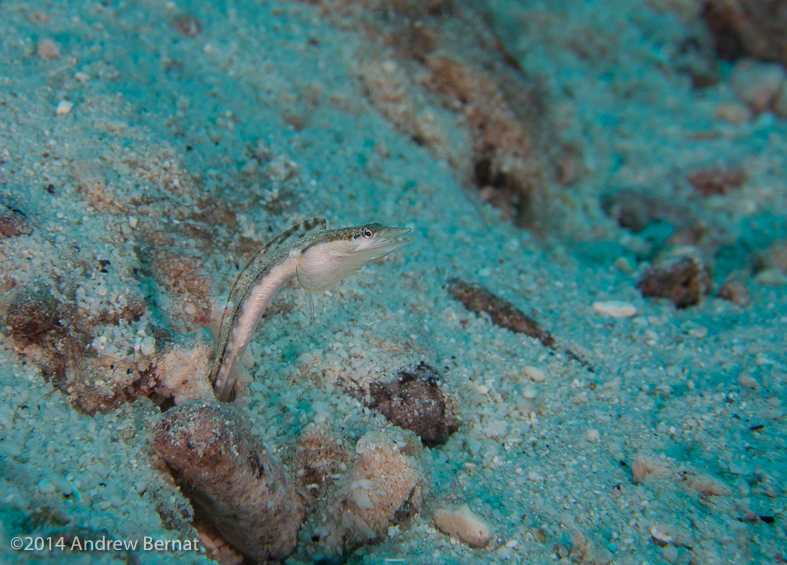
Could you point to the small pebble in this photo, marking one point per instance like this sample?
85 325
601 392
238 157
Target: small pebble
757 84
615 308
535 374
529 392
670 553
747 381
623 265
47 49
733 112
64 107
735 291
148 346
46 487
771 277
698 332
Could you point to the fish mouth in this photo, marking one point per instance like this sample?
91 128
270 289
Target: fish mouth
391 239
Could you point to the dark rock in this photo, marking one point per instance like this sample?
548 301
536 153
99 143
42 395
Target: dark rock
33 311
186 24
227 471
684 279
13 222
503 313
415 401
748 27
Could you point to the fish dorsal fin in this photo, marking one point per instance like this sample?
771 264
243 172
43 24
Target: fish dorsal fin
298 230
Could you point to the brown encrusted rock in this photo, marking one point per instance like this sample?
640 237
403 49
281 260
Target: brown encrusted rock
13 222
32 311
716 180
751 27
227 471
683 278
504 314
735 291
415 401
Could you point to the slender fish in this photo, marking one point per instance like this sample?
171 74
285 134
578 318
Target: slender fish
318 259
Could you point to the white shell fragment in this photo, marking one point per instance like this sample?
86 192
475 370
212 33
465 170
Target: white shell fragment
615 308
463 524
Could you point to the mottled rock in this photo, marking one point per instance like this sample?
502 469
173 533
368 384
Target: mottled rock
186 24
748 27
707 485
33 311
386 486
735 291
683 278
228 472
415 401
503 313
13 222
716 180
756 84
645 467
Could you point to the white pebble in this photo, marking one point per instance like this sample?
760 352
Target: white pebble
748 381
535 374
615 308
148 346
698 332
132 221
463 524
46 487
64 107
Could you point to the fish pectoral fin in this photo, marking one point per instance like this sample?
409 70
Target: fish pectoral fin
309 293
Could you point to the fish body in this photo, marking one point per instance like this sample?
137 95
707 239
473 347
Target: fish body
318 260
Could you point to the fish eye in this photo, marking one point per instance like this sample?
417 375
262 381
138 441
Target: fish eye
367 233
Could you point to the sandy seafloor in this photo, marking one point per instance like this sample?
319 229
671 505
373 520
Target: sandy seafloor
184 150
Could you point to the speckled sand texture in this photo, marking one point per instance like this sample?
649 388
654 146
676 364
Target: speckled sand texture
555 154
